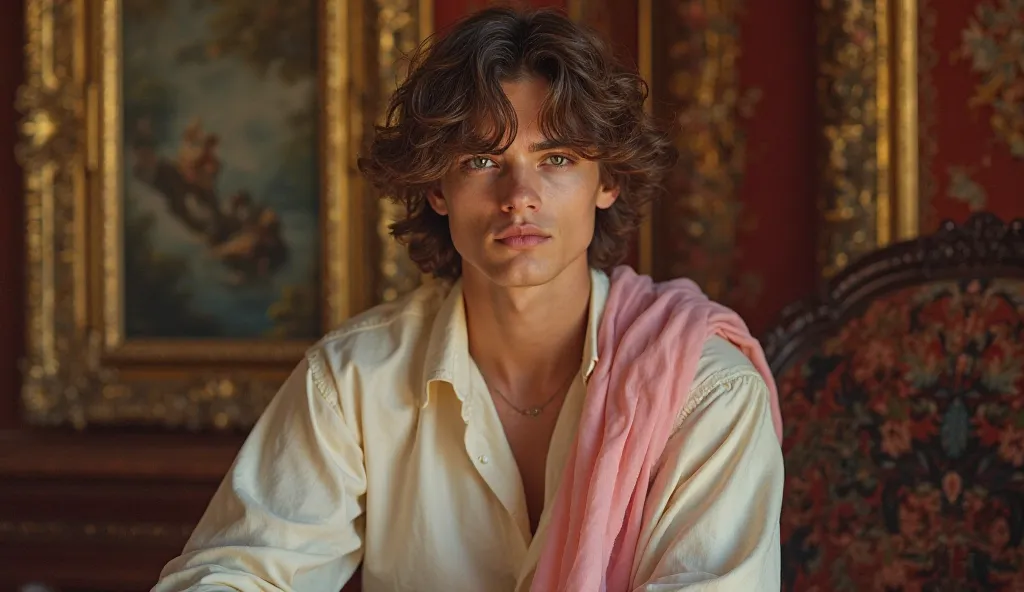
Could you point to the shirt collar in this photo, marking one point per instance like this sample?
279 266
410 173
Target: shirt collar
447 356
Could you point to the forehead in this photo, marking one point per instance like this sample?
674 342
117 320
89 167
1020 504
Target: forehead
527 97
527 94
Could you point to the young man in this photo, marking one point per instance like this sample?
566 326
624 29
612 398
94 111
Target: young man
491 432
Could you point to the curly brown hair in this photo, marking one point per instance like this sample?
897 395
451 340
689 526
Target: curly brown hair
595 106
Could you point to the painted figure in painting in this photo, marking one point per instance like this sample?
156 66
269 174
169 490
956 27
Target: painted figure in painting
244 235
221 193
541 417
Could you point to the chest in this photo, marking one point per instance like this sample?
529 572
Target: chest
529 439
455 490
445 504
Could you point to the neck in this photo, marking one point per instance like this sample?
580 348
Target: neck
527 341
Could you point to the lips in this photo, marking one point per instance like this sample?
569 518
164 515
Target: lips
523 242
522 236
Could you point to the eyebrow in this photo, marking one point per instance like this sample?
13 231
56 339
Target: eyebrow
548 145
544 145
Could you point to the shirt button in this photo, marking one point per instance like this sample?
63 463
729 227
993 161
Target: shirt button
483 459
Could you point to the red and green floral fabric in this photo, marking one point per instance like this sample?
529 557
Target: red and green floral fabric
904 445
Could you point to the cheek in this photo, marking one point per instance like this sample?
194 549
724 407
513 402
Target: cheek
576 219
465 222
576 195
457 229
583 227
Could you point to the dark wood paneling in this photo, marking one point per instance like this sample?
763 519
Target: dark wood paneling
101 512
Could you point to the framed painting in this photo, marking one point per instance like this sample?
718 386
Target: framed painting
195 220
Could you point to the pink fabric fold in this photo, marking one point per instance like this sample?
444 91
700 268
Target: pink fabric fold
649 344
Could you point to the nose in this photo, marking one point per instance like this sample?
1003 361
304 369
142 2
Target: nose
521 193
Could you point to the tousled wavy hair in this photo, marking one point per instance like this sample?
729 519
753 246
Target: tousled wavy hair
595 106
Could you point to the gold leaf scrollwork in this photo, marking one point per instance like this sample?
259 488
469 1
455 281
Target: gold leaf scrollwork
51 100
50 149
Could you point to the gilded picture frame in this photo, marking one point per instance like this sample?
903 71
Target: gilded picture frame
82 367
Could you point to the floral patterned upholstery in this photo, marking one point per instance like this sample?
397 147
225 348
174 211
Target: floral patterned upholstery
904 444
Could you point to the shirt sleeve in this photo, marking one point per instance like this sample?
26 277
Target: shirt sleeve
712 514
289 514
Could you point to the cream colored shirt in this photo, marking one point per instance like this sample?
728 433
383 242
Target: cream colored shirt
384 449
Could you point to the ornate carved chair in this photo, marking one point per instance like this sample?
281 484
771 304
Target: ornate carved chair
902 390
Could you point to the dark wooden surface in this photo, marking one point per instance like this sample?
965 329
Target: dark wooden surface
87 512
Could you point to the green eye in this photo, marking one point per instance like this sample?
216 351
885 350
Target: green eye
479 162
558 160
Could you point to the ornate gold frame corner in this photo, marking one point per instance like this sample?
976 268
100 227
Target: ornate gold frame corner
79 368
867 63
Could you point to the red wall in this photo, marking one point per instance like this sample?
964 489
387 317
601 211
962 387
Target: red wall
777 243
447 12
11 219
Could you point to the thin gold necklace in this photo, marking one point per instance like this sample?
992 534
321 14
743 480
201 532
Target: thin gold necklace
537 409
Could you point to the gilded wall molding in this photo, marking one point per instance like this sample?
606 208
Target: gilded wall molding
908 140
867 98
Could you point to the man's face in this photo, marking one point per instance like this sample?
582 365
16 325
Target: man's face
522 217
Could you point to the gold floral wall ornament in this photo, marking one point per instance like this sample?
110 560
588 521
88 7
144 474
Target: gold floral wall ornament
867 97
992 47
993 41
186 242
963 188
692 50
971 83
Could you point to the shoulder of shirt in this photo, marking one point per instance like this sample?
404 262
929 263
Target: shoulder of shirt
381 331
721 367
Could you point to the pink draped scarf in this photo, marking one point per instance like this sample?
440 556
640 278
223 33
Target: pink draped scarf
649 344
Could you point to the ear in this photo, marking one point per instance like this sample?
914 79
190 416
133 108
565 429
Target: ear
437 200
606 196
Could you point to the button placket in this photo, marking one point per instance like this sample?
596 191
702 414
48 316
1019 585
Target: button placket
491 457
475 444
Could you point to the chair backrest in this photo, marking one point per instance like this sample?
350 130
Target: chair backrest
902 392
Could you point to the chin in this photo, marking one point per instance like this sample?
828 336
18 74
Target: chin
519 272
